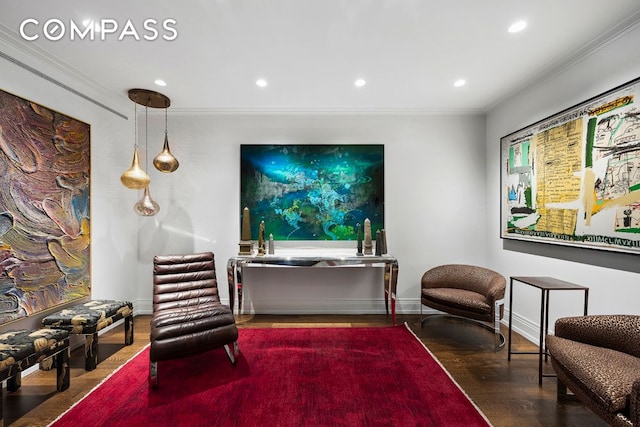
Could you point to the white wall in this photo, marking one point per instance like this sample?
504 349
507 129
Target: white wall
434 202
612 278
113 223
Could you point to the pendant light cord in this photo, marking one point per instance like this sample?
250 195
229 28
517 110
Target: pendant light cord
146 136
165 121
135 125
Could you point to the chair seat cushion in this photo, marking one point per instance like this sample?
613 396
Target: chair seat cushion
189 320
18 345
89 317
460 299
180 332
605 375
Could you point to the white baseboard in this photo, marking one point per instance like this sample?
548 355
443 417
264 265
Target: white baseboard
521 325
307 306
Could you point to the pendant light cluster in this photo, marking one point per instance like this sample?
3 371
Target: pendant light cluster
135 177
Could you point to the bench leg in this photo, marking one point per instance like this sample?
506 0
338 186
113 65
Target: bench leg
128 330
14 382
91 352
63 379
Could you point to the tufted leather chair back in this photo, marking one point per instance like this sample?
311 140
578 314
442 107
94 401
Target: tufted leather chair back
184 280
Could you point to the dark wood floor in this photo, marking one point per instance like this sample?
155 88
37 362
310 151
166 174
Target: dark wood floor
507 392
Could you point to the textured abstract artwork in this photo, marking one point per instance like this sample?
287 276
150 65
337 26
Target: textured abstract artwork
312 192
44 208
574 178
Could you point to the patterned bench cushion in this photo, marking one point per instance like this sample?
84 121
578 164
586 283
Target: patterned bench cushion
89 317
18 345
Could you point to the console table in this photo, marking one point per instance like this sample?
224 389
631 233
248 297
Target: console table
310 258
545 284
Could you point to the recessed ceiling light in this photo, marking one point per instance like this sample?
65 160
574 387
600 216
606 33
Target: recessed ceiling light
160 82
516 27
360 82
459 83
261 83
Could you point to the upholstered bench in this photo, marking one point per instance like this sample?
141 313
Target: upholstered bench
89 318
22 349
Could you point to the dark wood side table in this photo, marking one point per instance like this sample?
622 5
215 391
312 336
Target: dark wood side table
545 284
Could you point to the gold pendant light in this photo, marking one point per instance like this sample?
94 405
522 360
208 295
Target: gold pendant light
146 206
165 161
134 177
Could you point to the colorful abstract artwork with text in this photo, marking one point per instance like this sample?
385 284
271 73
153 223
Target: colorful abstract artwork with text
574 178
312 192
44 208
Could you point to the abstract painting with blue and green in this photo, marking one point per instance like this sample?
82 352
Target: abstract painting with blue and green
312 192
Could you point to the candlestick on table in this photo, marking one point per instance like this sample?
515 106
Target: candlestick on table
246 245
368 246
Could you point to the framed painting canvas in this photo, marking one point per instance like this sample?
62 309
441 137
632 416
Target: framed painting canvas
312 192
44 208
574 178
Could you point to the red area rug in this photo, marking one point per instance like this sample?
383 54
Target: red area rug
287 377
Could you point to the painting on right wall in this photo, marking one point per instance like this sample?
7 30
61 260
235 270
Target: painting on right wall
574 178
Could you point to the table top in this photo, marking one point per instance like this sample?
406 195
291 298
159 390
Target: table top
312 258
547 283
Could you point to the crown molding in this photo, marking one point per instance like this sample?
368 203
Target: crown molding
318 112
39 62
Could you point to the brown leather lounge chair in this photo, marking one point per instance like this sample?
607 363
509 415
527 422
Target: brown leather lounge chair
188 317
467 291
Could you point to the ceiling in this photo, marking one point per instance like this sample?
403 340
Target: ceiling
310 52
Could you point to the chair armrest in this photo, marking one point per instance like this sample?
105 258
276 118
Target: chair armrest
615 331
634 408
496 288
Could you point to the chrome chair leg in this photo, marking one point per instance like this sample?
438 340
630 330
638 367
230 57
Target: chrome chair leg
230 354
153 374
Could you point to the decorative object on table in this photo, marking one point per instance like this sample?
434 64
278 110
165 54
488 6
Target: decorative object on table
246 245
271 246
146 206
587 154
368 245
310 192
261 239
378 243
384 242
45 208
165 161
359 233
